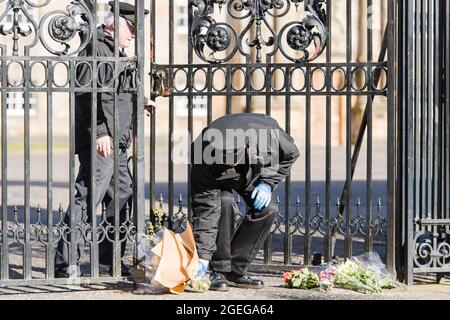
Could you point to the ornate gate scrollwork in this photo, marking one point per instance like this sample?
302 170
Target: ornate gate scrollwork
56 28
306 37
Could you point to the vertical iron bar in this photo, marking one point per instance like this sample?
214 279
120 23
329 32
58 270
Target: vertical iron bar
152 159
418 109
4 268
171 111
287 193
116 121
92 210
248 86
401 225
447 111
190 106
228 81
348 206
392 112
307 244
268 85
430 140
152 109
424 55
73 218
268 80
27 156
369 240
437 81
268 102
409 151
139 161
50 272
442 95
209 81
327 242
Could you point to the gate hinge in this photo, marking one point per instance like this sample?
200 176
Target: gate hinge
128 81
160 84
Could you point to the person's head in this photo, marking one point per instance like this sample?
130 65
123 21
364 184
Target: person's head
126 32
127 22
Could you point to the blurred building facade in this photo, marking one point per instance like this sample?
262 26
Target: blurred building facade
38 101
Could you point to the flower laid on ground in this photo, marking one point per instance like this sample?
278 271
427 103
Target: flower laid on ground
328 273
365 273
326 278
301 279
352 275
201 284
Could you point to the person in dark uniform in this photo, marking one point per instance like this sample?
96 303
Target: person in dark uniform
103 176
250 154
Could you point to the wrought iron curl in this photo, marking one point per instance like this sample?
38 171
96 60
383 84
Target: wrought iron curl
206 33
63 27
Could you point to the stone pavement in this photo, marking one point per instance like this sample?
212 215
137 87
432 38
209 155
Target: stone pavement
274 286
274 290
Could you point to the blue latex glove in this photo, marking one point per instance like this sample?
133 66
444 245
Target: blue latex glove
202 268
262 196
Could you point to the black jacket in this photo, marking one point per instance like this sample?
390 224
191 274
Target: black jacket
207 181
105 100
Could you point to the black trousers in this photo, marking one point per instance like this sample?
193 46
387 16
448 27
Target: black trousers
236 249
104 180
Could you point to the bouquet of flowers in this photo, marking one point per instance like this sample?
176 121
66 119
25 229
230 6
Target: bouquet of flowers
301 279
353 276
327 278
365 273
169 261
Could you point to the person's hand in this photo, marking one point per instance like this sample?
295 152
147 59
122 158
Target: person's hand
202 268
104 146
149 104
262 196
201 281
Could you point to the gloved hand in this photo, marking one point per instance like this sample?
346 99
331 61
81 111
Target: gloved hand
202 268
201 281
262 196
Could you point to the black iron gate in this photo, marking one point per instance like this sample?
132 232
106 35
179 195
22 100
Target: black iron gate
248 56
39 43
424 132
225 56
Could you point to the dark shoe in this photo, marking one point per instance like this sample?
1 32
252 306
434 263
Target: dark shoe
63 272
218 282
245 281
107 270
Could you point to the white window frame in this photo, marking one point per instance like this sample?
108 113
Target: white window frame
181 17
102 11
199 106
15 103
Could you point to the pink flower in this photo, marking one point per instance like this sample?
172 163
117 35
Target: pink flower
287 276
327 274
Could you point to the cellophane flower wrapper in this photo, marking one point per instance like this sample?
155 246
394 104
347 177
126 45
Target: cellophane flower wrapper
150 262
201 281
365 273
326 277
